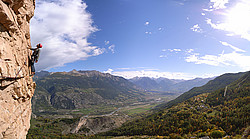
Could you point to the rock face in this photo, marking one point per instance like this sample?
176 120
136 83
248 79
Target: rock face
16 84
98 124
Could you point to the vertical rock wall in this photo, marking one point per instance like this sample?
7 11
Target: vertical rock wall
16 86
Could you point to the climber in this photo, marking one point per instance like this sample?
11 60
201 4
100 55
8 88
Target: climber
34 57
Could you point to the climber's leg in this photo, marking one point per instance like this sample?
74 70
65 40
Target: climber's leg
32 68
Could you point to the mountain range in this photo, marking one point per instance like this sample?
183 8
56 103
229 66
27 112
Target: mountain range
168 85
81 89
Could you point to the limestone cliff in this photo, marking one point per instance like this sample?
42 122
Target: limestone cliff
16 86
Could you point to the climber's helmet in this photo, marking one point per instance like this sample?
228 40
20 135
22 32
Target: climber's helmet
39 45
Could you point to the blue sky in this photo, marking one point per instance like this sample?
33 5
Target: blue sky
177 39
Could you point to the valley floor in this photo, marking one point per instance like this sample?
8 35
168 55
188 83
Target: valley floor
81 122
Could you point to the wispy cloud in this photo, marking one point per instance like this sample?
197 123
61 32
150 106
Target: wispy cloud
229 59
123 68
163 56
112 48
160 29
63 27
146 23
106 42
174 50
207 59
233 47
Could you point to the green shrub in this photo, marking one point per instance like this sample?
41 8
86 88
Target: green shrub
202 134
217 134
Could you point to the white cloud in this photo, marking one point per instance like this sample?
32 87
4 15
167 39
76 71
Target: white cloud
196 28
98 51
189 50
174 50
112 48
177 50
229 59
62 27
218 4
233 47
146 23
109 71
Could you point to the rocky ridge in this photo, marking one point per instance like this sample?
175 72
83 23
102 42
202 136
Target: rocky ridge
16 85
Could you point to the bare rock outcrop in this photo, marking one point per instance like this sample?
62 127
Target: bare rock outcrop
16 84
98 124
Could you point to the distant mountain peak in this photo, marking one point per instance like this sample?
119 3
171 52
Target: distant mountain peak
74 71
90 73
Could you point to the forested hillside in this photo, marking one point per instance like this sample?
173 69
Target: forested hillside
213 85
216 114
